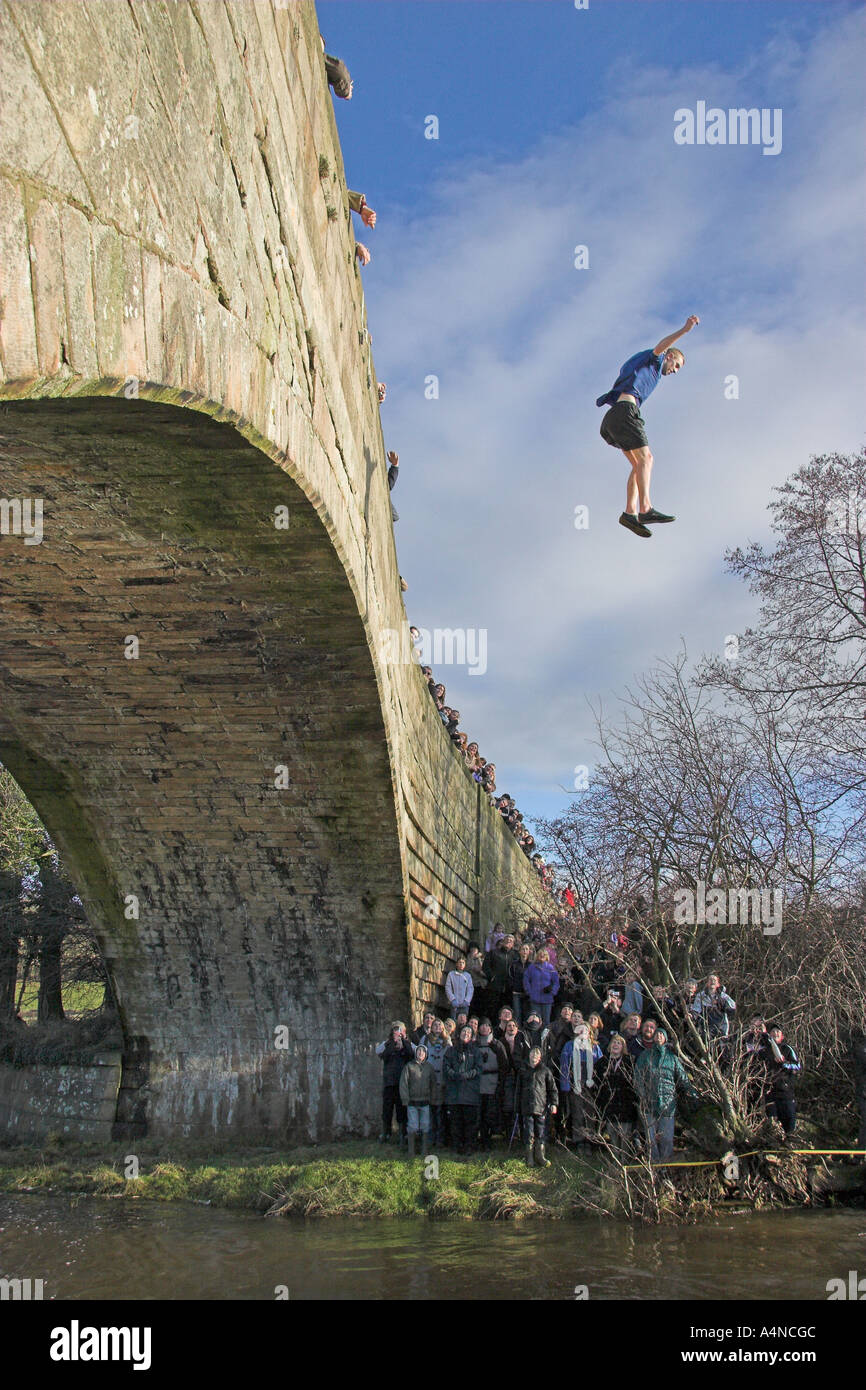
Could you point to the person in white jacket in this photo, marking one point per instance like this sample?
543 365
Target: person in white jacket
459 987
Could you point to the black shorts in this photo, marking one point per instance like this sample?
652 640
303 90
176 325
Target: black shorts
623 427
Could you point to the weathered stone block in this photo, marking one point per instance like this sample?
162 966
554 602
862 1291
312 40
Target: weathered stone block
305 906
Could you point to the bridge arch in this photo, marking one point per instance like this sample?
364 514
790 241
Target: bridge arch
184 348
232 777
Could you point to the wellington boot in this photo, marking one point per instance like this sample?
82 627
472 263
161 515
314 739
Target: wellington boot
530 1160
541 1159
411 1145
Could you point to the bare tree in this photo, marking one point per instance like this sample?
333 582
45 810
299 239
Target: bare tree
750 774
800 674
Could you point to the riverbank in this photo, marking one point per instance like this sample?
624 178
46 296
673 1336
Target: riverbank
345 1180
362 1179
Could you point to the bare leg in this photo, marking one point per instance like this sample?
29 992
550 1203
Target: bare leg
631 492
637 497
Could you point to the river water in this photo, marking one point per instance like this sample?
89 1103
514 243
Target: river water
89 1248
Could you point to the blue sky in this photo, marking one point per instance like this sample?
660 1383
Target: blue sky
556 130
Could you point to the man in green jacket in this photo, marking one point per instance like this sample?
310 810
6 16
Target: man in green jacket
657 1074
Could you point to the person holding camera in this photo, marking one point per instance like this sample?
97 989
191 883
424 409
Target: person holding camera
395 1052
611 1017
781 1062
711 1009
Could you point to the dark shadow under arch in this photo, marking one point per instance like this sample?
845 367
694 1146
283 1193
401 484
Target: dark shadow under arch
258 906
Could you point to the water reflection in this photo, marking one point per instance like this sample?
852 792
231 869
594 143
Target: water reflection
86 1248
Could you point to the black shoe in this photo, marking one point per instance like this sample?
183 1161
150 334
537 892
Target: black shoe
647 518
631 522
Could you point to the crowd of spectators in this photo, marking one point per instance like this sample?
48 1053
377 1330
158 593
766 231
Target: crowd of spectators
482 771
609 1065
584 1052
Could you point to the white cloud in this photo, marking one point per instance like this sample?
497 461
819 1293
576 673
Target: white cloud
482 291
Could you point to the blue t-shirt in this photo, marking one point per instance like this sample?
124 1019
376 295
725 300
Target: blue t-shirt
638 376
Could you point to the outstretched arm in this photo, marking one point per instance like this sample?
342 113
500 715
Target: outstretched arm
358 203
665 343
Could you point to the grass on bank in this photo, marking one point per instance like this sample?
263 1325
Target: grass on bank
351 1179
360 1179
79 998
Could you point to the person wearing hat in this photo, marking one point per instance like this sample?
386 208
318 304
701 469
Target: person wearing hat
532 1034
418 1086
657 1074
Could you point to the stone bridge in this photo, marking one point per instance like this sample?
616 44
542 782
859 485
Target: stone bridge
276 842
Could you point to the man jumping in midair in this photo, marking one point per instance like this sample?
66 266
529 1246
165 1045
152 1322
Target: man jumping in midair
624 428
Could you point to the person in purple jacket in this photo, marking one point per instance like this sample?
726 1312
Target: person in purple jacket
541 985
623 426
